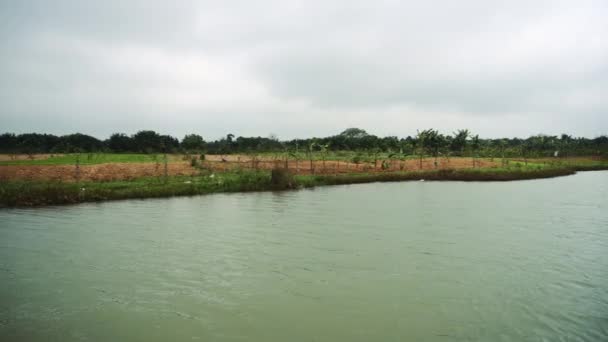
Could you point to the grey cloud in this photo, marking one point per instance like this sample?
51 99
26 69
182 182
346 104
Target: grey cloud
300 68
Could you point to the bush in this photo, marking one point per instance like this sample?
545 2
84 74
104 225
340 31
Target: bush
281 178
385 165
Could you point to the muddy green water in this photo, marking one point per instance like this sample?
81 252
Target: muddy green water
417 261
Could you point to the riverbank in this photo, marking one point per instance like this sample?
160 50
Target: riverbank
15 193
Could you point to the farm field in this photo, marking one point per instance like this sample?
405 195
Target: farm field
67 178
107 167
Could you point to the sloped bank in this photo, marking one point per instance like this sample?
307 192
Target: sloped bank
447 175
41 193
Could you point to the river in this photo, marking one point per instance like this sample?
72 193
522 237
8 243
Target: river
411 261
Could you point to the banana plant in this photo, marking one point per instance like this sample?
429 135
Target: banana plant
475 144
296 157
311 148
324 149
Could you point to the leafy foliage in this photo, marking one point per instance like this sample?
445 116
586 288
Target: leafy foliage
430 142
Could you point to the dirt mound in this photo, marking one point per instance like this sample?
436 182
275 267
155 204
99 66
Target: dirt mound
225 163
15 157
126 171
99 172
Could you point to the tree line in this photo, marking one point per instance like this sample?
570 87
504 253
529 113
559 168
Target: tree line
429 142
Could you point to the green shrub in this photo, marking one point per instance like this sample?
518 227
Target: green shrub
281 178
385 165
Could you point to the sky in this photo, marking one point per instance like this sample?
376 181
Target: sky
299 69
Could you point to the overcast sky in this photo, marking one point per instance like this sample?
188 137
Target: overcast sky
304 68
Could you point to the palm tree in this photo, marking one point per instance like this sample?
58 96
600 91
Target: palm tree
475 144
324 148
310 150
431 141
294 155
503 145
459 142
375 152
564 143
420 143
525 147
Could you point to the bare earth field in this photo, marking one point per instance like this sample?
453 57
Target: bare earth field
216 163
333 166
99 172
15 157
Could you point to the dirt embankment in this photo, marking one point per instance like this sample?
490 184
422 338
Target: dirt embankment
223 163
16 157
99 172
176 167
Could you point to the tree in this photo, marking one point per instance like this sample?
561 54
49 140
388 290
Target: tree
354 133
193 143
311 148
431 141
168 144
475 147
420 144
147 141
459 142
9 143
503 143
120 142
324 148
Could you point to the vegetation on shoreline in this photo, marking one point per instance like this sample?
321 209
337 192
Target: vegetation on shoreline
353 156
37 193
34 193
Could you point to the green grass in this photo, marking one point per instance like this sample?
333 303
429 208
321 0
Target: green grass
36 193
481 174
89 158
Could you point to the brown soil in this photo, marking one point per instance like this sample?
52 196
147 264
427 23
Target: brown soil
223 163
13 157
565 160
126 171
99 172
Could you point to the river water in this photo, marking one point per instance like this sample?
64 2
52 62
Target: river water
412 261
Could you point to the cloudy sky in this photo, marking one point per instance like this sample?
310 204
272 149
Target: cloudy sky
304 68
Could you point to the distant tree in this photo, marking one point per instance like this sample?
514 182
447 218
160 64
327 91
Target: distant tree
459 142
311 147
82 142
147 141
432 142
420 144
475 144
273 137
354 133
354 139
119 142
9 143
503 144
193 143
324 149
168 144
